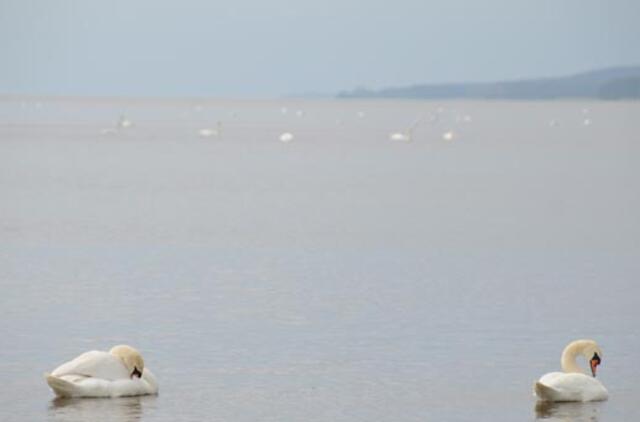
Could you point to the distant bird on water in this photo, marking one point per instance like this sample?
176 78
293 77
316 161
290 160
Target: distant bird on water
448 136
286 137
124 122
407 135
209 132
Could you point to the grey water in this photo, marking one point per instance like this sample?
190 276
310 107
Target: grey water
341 276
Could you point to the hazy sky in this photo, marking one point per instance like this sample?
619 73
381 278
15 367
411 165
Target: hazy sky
253 48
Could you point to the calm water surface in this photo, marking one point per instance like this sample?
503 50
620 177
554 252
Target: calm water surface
339 277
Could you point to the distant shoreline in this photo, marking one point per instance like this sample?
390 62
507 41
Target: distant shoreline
616 83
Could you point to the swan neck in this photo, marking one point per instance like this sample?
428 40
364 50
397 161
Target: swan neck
569 356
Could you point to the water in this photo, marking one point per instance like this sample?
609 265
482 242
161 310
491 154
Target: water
339 276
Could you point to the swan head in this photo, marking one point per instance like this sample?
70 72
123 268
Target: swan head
131 358
589 349
593 354
594 362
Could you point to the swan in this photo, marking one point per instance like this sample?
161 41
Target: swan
400 136
448 136
208 132
407 135
286 137
117 373
124 122
573 384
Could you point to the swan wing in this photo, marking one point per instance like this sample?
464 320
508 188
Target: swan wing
79 386
94 364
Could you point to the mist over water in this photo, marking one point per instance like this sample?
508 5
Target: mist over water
341 274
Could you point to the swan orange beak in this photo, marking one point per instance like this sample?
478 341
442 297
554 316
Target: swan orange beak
594 362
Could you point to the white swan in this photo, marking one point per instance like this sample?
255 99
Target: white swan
208 132
573 384
448 136
117 373
286 137
400 136
124 122
407 135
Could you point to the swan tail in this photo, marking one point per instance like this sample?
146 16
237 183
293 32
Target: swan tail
60 387
545 392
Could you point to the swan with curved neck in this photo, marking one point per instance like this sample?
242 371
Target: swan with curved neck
573 384
119 372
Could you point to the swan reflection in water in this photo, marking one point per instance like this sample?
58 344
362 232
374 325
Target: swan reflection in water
568 412
121 409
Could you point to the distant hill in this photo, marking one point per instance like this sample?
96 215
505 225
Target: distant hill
610 84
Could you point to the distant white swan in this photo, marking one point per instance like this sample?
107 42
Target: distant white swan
209 132
124 122
117 373
573 384
407 135
286 137
448 136
400 136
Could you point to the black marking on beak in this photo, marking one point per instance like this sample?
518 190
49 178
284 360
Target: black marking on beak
136 373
